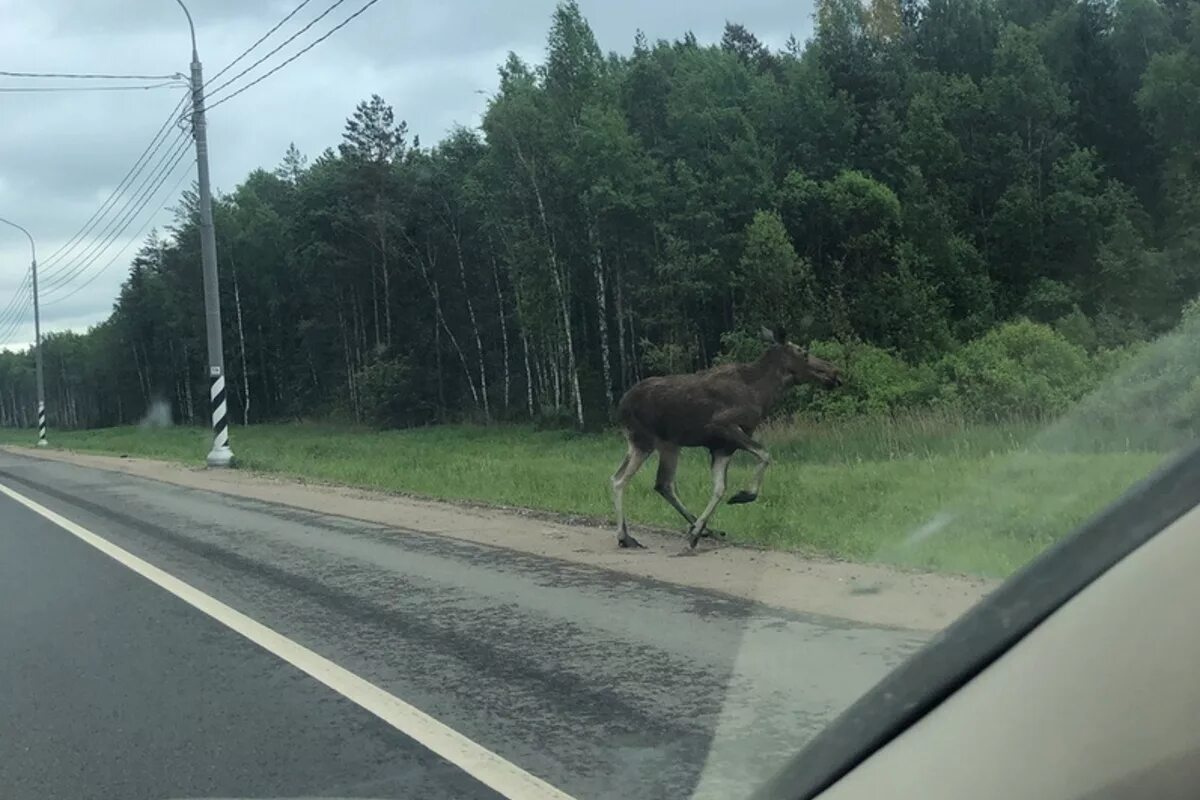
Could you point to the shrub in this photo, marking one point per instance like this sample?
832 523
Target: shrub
1049 299
667 358
876 381
1019 369
1116 330
390 396
1150 394
1077 329
739 346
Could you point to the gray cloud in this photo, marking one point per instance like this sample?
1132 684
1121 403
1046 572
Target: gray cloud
62 154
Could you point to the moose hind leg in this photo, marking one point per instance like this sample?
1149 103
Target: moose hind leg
620 479
720 468
764 460
664 482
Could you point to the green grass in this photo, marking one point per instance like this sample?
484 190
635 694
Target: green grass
929 491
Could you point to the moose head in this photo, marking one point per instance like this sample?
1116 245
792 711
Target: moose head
797 362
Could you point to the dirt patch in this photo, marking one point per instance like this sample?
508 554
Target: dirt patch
865 593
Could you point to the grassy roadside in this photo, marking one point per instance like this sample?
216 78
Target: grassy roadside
927 492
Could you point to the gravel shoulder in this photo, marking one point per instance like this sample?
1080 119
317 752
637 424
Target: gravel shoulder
865 593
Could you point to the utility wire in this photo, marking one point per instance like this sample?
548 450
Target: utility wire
12 317
22 289
67 271
296 55
280 46
11 329
130 175
15 316
66 274
135 237
17 320
261 39
90 76
49 89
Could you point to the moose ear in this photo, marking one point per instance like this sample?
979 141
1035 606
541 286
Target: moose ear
767 335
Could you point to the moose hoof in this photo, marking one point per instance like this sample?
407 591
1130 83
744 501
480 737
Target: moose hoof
628 542
743 497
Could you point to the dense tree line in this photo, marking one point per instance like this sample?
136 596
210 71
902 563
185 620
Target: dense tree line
912 177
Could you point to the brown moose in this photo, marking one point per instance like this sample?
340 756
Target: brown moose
718 409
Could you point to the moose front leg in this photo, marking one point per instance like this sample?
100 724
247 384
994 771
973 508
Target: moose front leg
720 468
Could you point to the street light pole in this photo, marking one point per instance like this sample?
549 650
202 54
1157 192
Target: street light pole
220 455
37 336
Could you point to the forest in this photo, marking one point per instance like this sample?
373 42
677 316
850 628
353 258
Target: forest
983 204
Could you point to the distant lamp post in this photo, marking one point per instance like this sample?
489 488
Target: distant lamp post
37 335
220 455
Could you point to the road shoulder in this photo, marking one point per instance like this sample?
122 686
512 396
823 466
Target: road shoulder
864 593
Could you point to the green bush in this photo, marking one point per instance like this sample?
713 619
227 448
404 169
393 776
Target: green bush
390 396
1150 393
1019 369
875 382
1049 299
1077 329
739 346
667 358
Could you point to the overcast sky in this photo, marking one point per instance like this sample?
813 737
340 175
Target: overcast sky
62 154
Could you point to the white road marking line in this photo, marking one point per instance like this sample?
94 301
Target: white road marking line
477 761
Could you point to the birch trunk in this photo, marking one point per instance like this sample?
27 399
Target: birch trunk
602 315
559 285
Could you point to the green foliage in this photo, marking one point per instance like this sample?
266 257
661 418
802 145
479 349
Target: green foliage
1077 329
1048 300
876 382
669 358
776 286
1018 369
391 395
1150 395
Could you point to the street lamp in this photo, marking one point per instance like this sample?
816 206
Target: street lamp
37 335
220 455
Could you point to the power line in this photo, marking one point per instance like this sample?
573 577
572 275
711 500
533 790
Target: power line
12 319
96 274
17 318
15 326
279 47
129 176
301 52
90 76
22 288
160 177
261 39
143 200
50 89
66 274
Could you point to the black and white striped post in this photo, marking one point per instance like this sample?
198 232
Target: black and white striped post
220 455
37 335
220 418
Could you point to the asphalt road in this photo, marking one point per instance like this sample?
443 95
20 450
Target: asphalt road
603 685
